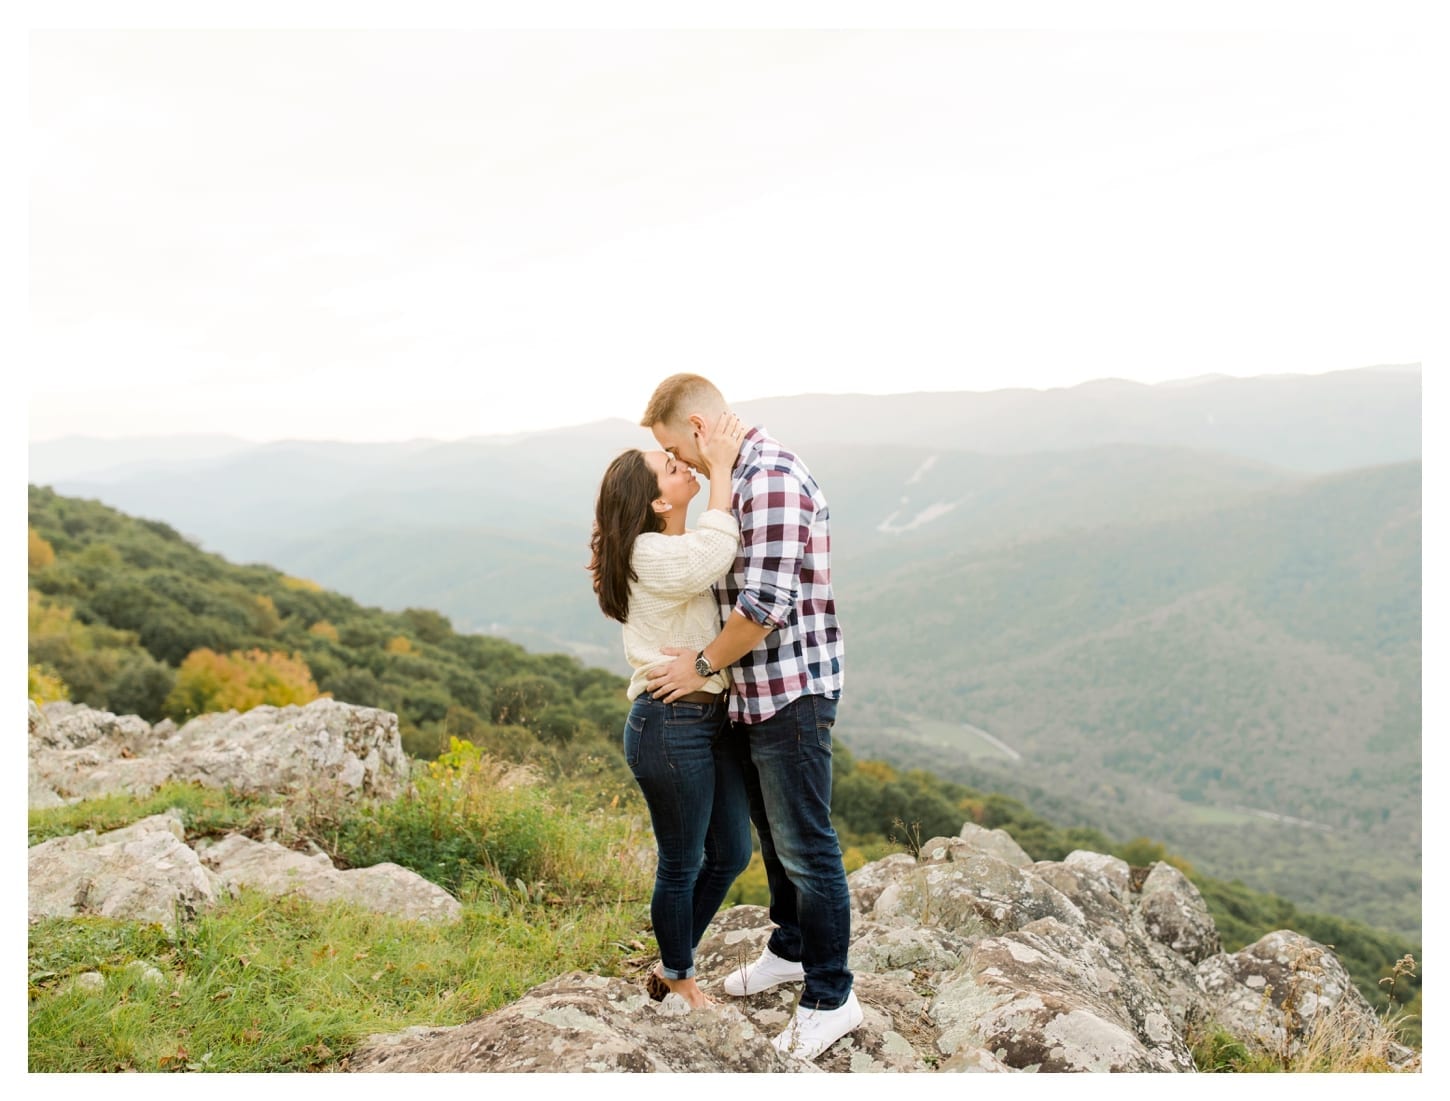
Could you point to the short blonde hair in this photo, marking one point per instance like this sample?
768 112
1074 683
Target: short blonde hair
679 396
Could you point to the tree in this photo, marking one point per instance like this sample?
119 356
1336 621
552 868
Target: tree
429 626
140 687
426 701
208 681
557 723
606 712
356 686
85 657
96 562
518 700
42 554
45 687
265 620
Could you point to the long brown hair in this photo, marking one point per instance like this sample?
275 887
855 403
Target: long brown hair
622 512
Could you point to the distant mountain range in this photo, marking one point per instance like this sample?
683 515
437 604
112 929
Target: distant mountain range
1305 423
1187 609
1311 423
1251 670
903 472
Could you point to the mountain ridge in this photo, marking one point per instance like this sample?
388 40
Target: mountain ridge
1394 388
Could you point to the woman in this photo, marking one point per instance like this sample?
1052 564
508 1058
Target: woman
654 577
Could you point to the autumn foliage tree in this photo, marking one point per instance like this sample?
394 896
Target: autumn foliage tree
41 553
45 687
208 681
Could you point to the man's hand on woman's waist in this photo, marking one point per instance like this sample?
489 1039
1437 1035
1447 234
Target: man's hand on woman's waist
739 636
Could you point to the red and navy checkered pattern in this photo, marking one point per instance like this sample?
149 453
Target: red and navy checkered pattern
782 579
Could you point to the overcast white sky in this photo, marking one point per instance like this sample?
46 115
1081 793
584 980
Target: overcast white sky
386 234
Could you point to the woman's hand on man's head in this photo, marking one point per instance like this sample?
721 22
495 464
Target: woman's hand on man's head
722 446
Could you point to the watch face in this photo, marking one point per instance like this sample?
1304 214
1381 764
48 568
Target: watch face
702 667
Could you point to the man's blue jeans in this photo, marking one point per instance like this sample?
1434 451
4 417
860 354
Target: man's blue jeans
694 787
789 784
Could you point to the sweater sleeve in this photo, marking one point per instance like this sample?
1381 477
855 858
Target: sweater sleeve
683 565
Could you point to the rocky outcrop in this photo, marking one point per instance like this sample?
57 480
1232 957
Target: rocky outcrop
148 871
78 752
1175 914
1278 989
144 872
968 958
581 1022
272 869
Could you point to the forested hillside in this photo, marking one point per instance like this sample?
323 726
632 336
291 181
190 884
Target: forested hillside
131 617
1206 677
127 615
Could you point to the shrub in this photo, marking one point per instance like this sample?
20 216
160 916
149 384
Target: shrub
467 819
45 687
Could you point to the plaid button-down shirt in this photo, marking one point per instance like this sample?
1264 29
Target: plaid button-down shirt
781 579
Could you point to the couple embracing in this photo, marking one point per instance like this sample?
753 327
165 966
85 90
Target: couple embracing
731 632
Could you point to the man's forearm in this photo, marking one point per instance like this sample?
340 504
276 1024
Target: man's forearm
737 638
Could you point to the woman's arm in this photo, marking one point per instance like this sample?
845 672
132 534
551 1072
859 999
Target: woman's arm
683 565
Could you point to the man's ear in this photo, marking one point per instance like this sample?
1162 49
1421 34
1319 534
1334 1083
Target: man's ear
697 423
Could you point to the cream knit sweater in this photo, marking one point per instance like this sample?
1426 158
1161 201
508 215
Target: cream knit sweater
672 603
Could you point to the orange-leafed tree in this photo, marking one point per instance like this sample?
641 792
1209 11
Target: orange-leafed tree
208 681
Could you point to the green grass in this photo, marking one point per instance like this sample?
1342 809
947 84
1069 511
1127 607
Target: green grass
1329 1048
206 811
262 983
269 984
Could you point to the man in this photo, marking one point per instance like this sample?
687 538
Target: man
782 645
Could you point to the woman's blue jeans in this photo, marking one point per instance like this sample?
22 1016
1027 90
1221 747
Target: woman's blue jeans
681 757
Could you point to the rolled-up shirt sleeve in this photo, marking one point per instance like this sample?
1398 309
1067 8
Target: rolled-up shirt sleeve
775 525
683 565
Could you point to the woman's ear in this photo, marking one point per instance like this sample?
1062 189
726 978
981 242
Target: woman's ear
660 505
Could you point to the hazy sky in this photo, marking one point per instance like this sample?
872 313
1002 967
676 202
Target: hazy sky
384 234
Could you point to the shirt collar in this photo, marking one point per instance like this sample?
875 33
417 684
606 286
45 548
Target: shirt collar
754 438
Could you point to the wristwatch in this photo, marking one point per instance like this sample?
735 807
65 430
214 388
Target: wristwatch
702 665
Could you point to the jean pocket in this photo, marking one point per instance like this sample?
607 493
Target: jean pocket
634 728
686 714
824 720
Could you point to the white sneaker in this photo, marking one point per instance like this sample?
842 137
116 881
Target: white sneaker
770 970
811 1031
